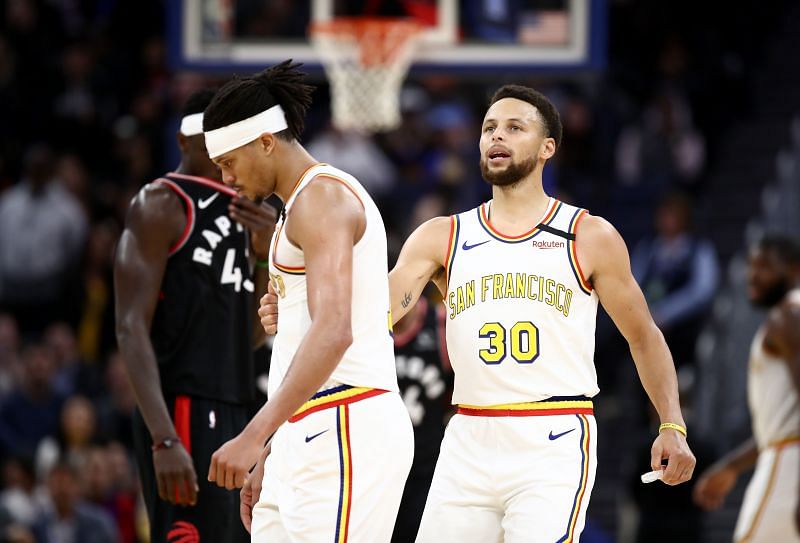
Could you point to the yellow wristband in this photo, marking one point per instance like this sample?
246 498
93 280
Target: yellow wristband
672 426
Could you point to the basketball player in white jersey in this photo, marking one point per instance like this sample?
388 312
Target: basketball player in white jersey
771 509
336 470
521 277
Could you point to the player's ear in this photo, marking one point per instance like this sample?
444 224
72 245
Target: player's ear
183 142
267 141
548 149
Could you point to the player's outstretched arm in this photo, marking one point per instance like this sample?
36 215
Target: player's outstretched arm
604 256
421 260
326 221
155 221
718 480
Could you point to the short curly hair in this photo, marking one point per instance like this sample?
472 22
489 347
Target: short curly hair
552 120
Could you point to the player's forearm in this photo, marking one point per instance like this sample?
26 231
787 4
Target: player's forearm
657 373
317 357
142 369
404 292
742 458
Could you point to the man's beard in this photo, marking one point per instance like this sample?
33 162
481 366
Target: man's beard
772 295
511 175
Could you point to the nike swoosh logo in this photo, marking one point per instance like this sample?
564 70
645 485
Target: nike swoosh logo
202 204
556 436
309 438
467 247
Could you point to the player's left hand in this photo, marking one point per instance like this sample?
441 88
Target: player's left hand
231 462
670 445
259 219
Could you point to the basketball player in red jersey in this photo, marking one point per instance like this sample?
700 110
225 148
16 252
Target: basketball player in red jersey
185 296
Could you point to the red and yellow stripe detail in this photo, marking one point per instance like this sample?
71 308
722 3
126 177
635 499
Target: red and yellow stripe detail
529 409
452 244
291 270
334 397
301 270
346 474
572 251
483 218
577 503
784 442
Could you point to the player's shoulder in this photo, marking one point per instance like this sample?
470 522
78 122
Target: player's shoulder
327 191
782 326
594 229
155 202
787 312
435 230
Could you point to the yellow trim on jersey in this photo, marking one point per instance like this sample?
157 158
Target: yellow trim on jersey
455 225
343 394
577 504
346 474
483 218
783 442
536 406
299 270
572 251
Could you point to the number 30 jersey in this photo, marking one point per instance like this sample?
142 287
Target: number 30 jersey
520 314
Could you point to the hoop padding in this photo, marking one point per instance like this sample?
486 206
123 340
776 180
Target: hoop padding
366 60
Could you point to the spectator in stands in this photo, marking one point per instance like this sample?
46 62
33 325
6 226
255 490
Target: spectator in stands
358 154
124 491
42 234
663 146
29 414
71 519
76 434
10 367
679 274
73 374
115 409
95 329
20 499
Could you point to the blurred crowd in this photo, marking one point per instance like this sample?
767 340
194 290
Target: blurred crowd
88 113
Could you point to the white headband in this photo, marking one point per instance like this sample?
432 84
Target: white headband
192 125
233 136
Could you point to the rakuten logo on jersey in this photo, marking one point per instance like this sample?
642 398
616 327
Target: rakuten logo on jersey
548 244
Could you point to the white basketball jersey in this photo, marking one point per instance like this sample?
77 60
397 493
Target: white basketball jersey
520 315
773 399
369 361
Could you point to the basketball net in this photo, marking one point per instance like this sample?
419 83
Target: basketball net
366 60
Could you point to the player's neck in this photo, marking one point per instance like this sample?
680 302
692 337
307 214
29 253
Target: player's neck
291 168
520 201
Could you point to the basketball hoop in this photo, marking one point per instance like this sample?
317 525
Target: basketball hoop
366 60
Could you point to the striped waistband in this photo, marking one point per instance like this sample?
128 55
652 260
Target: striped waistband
780 443
557 405
332 397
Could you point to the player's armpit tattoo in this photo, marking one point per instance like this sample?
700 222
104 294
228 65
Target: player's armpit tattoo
406 299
